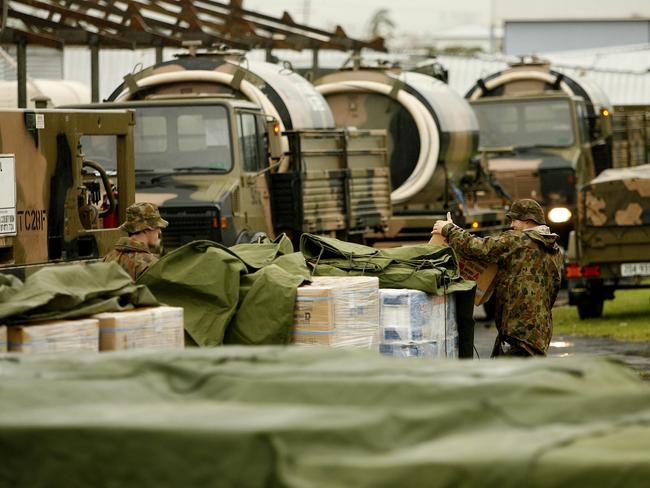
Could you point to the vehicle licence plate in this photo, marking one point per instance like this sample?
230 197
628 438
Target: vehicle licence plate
635 269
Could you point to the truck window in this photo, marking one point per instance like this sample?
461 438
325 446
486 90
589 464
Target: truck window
101 149
187 136
583 122
249 142
525 123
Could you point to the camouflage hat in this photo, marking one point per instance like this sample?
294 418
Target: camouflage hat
527 209
142 216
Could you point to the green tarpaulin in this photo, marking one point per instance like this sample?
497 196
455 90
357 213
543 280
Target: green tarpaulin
432 269
309 417
70 291
239 295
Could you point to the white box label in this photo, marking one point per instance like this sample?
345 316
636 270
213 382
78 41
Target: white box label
40 121
7 195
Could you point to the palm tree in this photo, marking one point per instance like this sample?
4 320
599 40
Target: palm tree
380 24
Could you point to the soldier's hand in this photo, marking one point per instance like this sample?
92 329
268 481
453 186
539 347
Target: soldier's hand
437 227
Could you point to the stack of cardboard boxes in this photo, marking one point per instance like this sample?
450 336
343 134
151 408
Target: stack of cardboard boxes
352 312
150 328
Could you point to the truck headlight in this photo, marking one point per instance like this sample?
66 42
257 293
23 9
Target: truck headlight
559 215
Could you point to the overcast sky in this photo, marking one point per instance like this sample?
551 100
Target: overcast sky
426 17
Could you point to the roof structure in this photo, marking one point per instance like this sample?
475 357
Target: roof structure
131 24
137 24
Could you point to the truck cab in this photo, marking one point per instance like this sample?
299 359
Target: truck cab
538 146
202 161
542 134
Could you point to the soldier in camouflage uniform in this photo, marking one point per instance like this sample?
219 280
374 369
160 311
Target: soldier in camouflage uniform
134 253
528 280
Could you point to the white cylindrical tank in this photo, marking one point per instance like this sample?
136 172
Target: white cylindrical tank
278 90
432 131
60 92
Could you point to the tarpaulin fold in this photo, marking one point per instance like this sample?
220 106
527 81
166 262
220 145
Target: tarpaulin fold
432 269
241 295
71 291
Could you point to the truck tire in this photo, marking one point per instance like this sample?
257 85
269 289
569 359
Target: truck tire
590 309
251 237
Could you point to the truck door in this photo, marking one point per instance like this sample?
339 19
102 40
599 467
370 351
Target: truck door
254 160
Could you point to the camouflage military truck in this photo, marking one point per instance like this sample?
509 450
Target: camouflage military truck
433 135
610 246
56 204
231 150
542 134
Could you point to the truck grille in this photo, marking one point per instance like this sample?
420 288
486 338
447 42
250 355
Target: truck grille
189 224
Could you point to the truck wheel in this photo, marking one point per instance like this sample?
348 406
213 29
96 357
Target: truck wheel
590 309
251 237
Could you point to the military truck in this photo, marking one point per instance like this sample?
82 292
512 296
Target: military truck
609 248
56 204
231 150
542 134
433 135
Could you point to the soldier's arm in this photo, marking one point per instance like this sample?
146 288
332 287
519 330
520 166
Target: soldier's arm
485 249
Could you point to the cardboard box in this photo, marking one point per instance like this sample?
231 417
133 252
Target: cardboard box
483 274
3 338
144 328
55 336
338 311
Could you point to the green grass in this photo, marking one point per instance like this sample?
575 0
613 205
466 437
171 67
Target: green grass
626 318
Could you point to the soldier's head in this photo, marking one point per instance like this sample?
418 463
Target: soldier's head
143 220
526 211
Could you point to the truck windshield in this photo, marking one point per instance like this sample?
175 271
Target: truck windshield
175 138
525 123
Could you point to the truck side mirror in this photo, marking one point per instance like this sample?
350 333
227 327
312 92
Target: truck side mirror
274 136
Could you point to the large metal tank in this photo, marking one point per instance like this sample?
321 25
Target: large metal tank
55 92
432 131
278 90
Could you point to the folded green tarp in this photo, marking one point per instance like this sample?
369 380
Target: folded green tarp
432 269
70 291
239 295
310 417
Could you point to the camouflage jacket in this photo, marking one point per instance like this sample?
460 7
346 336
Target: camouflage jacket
134 256
527 283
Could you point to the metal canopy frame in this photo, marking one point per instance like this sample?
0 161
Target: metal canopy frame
146 24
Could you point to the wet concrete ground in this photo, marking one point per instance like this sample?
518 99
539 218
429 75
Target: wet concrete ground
634 354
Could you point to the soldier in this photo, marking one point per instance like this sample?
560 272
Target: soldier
528 279
134 253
